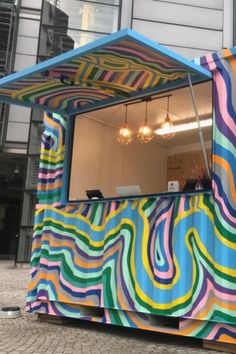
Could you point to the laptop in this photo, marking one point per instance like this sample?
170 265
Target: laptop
128 191
94 194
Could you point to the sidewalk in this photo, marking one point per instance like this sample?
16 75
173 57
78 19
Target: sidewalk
28 335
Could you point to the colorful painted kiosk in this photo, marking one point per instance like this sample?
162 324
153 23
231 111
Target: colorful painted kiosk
160 262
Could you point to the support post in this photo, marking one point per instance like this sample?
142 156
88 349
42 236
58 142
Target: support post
199 126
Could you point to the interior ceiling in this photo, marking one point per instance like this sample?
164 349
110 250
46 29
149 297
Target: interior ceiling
181 111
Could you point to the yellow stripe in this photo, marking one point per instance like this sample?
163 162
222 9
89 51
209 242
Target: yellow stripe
59 151
34 88
150 301
146 263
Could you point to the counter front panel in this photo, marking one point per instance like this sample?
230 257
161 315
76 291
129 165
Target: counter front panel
155 256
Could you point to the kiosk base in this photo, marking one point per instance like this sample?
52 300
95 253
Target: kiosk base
43 317
223 347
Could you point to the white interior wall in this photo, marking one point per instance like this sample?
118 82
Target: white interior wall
100 162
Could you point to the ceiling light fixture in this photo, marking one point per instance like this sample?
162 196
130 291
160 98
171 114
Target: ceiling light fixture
145 133
167 125
125 134
183 127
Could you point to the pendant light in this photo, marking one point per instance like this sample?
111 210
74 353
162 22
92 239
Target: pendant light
167 125
145 133
125 134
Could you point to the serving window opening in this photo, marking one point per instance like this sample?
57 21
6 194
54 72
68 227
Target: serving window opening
101 161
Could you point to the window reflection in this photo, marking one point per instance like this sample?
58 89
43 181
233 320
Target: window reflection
55 40
69 24
82 15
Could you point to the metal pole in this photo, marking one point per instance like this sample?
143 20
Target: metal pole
199 126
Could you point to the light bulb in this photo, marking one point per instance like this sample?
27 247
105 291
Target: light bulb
145 133
167 125
124 135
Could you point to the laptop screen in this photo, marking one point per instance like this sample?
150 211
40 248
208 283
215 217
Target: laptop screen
128 191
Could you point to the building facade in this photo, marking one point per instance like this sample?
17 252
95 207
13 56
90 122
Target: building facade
38 30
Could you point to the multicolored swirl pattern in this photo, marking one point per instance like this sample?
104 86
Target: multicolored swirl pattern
165 264
115 70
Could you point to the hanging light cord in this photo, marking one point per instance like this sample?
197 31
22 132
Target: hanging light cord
126 114
146 113
168 105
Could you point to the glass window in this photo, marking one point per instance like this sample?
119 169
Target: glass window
55 40
84 15
100 162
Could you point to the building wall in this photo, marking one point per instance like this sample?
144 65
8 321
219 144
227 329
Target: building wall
190 28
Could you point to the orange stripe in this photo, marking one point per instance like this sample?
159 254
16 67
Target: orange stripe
226 338
194 325
36 244
51 186
55 125
224 164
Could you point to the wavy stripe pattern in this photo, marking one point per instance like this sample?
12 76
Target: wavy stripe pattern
112 72
149 262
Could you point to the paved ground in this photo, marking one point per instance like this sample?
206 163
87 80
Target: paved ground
28 335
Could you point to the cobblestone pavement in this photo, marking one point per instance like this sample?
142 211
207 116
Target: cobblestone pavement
28 335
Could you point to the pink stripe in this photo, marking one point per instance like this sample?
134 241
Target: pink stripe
211 62
107 76
51 310
141 80
181 204
113 206
222 94
40 206
50 175
56 204
107 316
33 269
146 57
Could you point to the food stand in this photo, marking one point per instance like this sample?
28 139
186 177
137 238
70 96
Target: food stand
160 262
